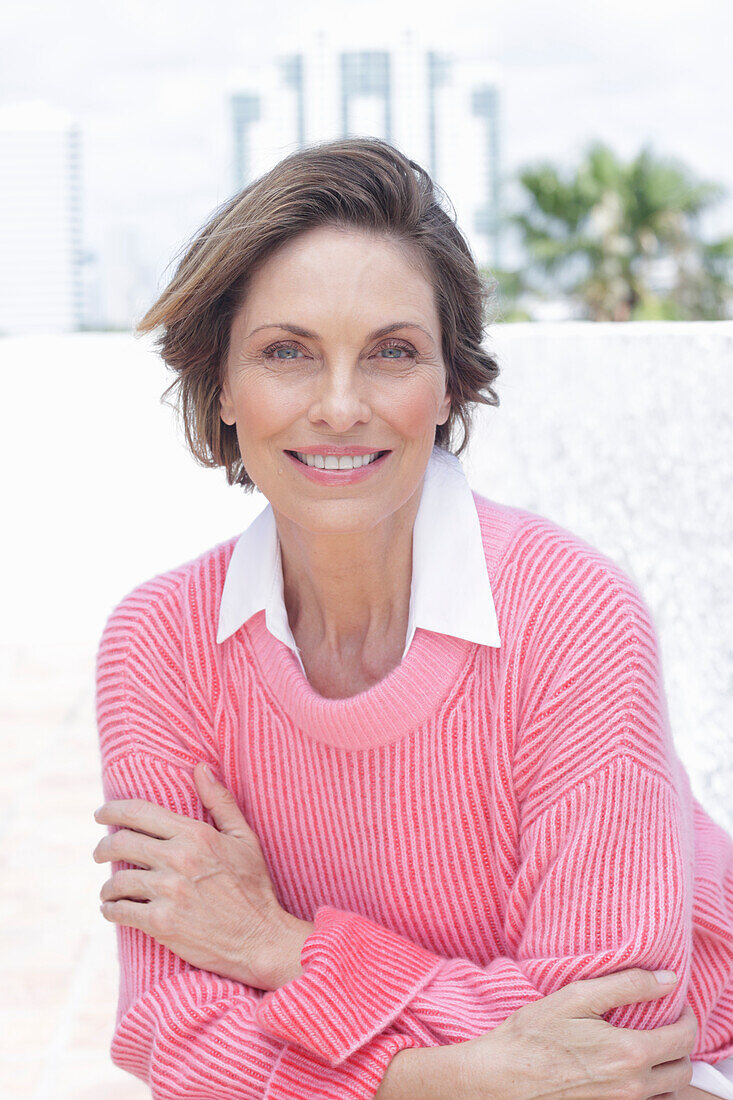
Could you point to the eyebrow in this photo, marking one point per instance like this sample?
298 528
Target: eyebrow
314 336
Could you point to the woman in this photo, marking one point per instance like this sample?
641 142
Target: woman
452 837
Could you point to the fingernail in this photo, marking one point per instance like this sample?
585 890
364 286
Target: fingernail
209 773
665 977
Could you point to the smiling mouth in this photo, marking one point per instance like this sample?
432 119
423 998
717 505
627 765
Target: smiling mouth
335 469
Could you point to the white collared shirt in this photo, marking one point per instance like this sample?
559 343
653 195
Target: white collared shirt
450 591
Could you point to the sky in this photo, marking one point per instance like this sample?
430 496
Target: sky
145 80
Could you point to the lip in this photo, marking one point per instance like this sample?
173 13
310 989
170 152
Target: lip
338 477
325 449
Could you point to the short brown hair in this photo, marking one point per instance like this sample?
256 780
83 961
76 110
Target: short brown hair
360 182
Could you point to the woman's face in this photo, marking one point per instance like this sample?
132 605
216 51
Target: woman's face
310 365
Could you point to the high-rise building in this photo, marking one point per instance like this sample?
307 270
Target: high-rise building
442 110
40 220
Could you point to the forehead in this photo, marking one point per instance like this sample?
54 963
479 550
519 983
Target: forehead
347 269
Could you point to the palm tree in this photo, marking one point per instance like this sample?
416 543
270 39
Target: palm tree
622 239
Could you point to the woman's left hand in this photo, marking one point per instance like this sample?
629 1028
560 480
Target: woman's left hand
207 891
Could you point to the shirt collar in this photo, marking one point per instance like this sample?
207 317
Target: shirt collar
450 591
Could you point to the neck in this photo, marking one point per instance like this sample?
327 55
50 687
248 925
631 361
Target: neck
346 592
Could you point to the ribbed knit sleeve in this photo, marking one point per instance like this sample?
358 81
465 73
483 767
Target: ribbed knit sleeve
185 1032
604 858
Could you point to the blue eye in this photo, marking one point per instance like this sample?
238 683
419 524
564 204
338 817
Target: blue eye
290 351
408 352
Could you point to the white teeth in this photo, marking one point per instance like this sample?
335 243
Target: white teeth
336 462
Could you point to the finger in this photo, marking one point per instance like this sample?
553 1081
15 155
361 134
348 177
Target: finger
125 846
134 914
598 995
135 885
222 805
671 1041
143 817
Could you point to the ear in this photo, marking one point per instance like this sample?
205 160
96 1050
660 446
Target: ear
444 408
227 408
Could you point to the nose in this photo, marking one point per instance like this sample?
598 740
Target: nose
341 398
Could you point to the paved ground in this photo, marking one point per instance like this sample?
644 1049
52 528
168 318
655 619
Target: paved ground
57 953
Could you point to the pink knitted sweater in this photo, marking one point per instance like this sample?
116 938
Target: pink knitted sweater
479 828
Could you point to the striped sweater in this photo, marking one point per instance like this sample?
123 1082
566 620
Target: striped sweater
479 828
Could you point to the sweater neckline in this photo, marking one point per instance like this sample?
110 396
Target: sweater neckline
399 702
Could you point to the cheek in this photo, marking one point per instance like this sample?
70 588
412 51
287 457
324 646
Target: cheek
263 407
415 408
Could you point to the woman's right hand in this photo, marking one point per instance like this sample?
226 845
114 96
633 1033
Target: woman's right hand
559 1048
